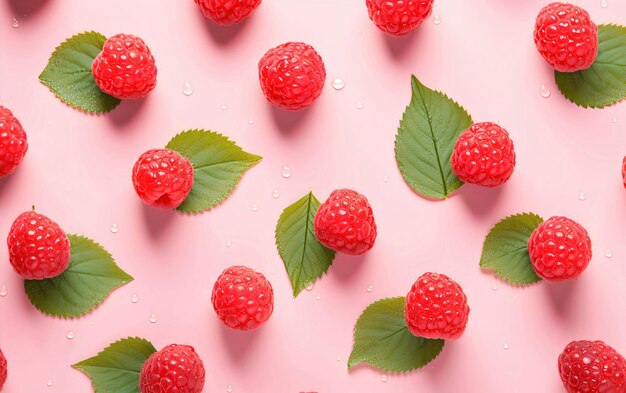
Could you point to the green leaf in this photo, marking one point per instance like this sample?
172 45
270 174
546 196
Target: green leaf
305 258
428 131
505 250
117 368
218 164
68 74
604 83
382 339
90 277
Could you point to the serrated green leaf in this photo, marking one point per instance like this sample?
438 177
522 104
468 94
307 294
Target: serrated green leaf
505 251
218 164
90 277
382 339
68 74
604 83
428 131
116 369
305 258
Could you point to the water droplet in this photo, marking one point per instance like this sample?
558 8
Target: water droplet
187 89
370 288
604 3
359 105
49 383
436 18
229 388
338 358
223 106
114 228
384 378
255 207
70 335
586 360
272 272
134 298
614 120
286 172
385 179
338 84
310 287
153 318
318 297
251 120
15 23
495 287
514 297
228 244
275 194
545 92
3 291
506 345
608 253
582 196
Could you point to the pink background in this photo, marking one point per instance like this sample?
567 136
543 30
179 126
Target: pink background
78 172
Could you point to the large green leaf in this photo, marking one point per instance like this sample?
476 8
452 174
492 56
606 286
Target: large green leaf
505 250
428 131
68 74
305 258
116 369
604 83
90 277
382 339
218 164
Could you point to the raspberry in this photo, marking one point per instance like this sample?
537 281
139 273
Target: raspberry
227 12
292 75
436 307
592 367
398 17
242 298
483 155
559 249
624 171
125 68
345 223
13 144
3 370
566 37
174 369
162 178
38 247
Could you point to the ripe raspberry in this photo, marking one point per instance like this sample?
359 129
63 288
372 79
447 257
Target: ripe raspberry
592 367
484 155
174 369
162 178
227 12
3 370
125 68
436 307
292 75
398 17
13 144
559 249
38 247
242 298
566 37
345 223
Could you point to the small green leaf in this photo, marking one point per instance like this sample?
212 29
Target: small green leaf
218 164
116 369
428 131
68 74
382 339
305 258
505 250
90 277
604 83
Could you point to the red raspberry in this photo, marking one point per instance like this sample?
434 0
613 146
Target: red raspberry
559 249
592 367
624 171
125 68
398 17
38 247
484 155
3 370
345 223
292 75
566 37
174 369
162 178
227 12
242 298
436 307
13 144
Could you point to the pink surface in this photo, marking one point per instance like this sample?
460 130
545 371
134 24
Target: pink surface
78 172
